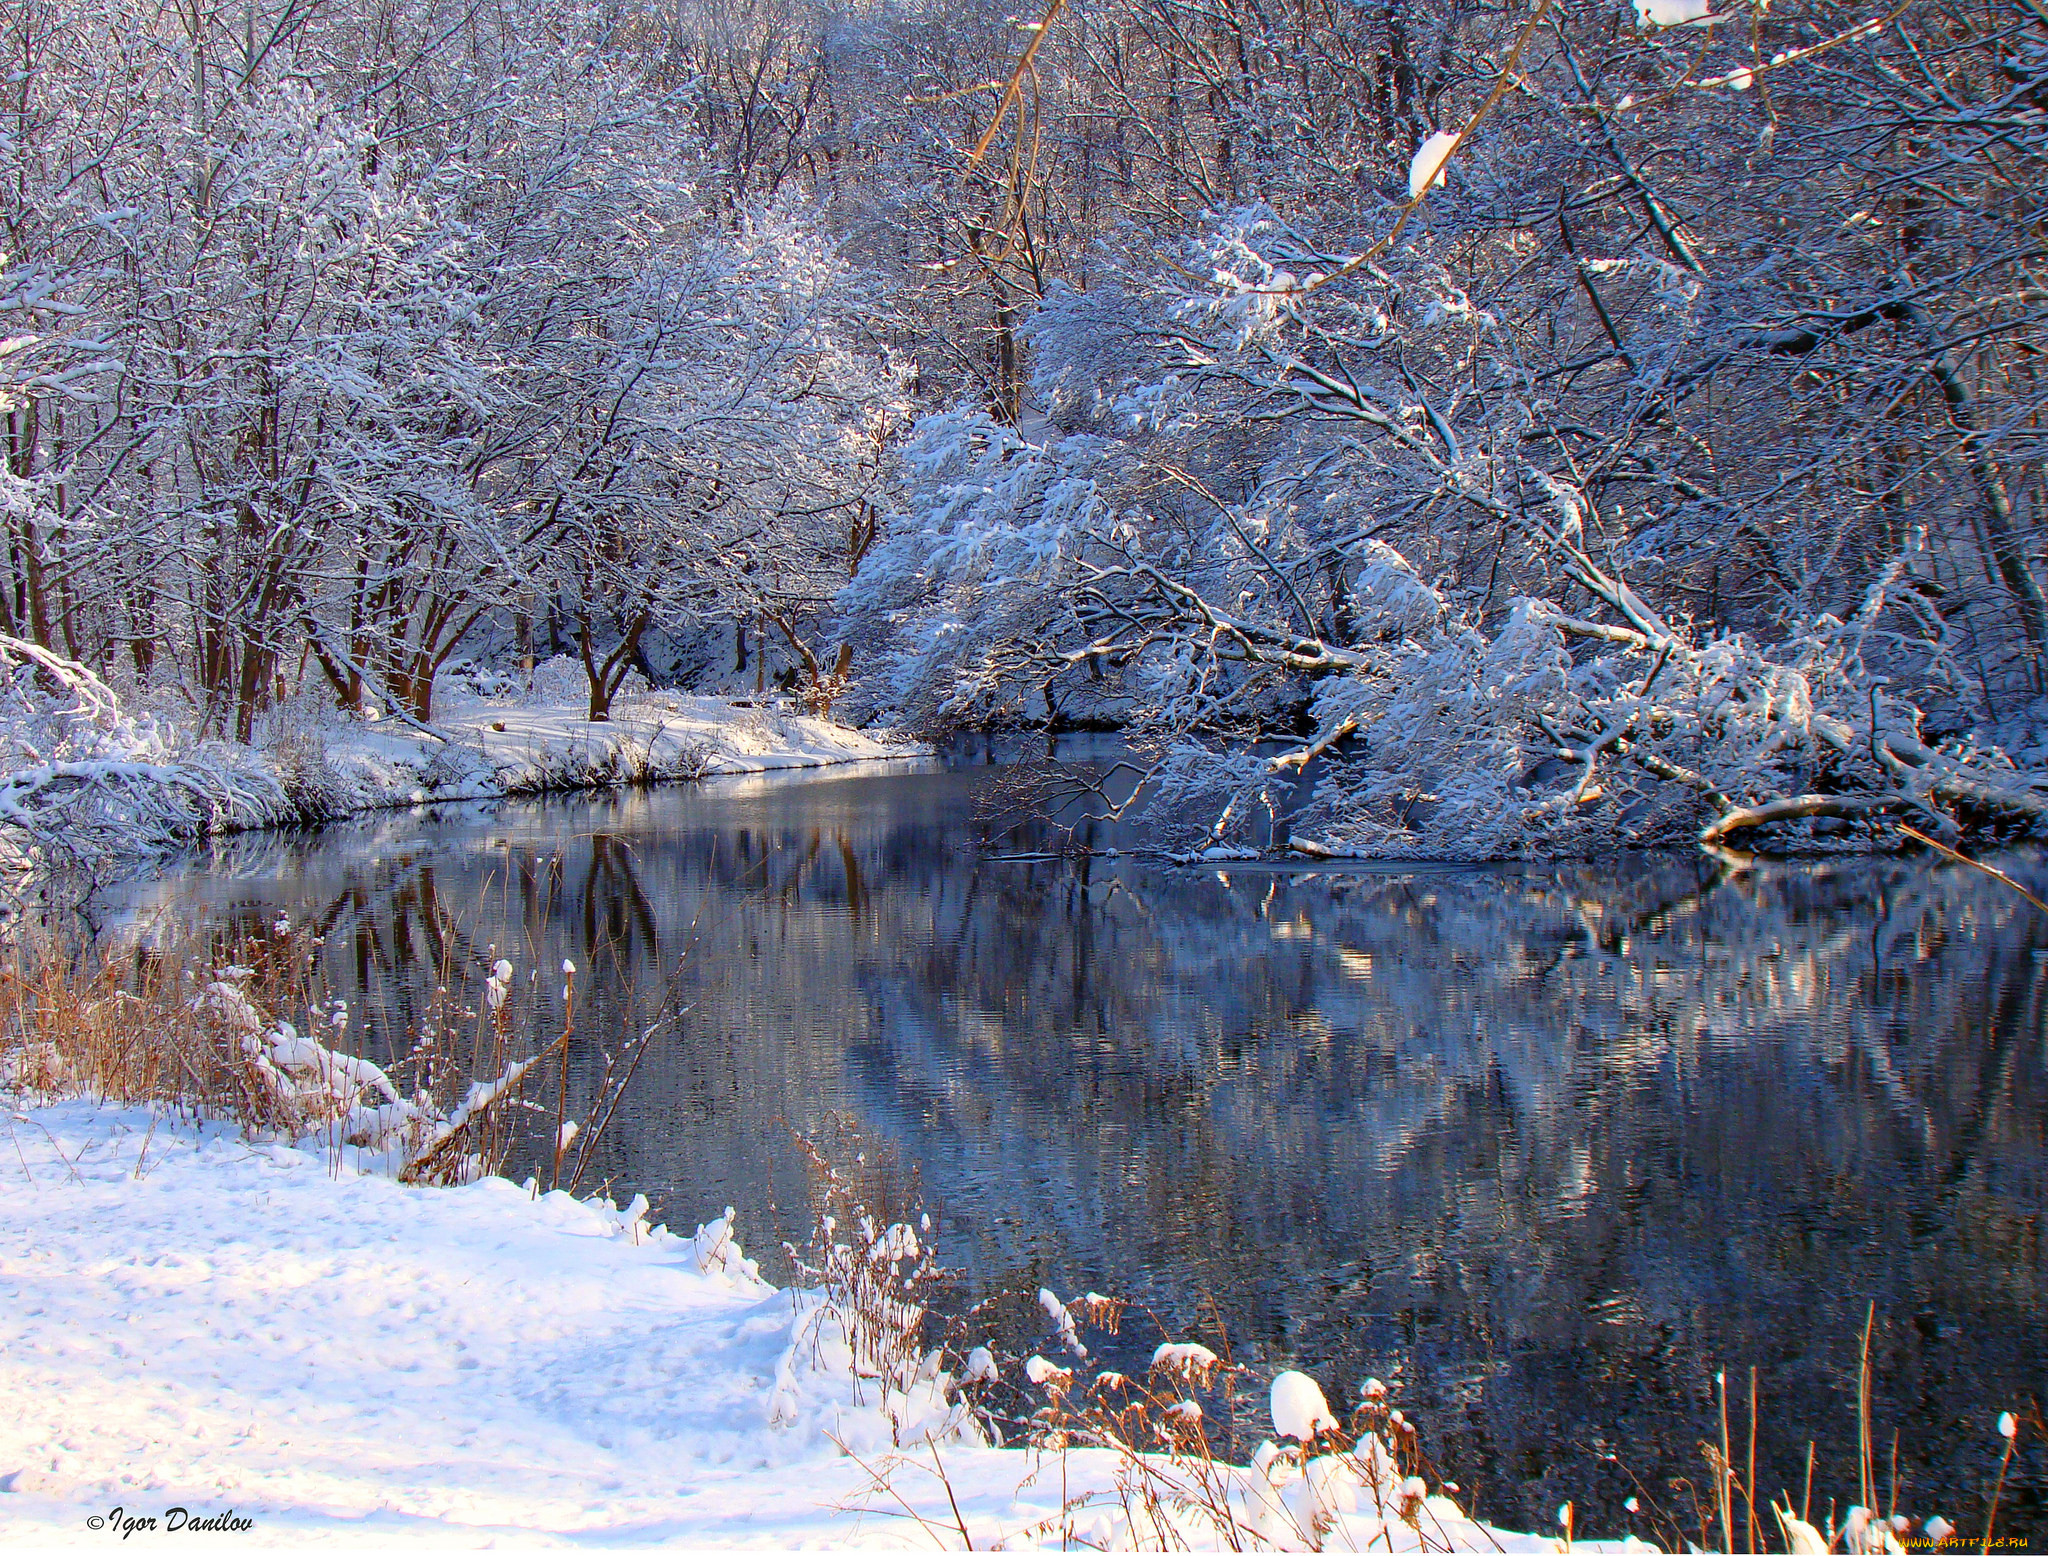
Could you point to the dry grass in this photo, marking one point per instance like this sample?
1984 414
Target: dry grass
871 1257
81 1021
1368 1477
1366 1474
883 1293
1731 1510
240 1030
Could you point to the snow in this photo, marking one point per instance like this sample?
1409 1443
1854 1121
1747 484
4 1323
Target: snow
189 1319
1186 1359
1042 1372
511 745
85 782
1803 1538
1299 1408
1672 13
1056 1310
89 784
1426 171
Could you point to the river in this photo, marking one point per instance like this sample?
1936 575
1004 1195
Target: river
1544 1147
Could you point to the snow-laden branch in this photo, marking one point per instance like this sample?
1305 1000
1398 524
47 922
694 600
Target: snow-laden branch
1207 556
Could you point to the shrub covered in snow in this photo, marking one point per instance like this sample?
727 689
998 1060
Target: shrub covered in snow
89 787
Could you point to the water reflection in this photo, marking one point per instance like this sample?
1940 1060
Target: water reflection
1546 1147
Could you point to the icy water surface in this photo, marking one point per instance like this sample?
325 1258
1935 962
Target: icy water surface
1544 1147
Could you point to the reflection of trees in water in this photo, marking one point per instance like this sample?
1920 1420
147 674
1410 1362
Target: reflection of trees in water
1551 1144
1561 1139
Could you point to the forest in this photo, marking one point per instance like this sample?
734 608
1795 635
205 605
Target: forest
1430 625
1437 429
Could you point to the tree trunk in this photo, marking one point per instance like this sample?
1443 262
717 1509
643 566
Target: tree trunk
600 709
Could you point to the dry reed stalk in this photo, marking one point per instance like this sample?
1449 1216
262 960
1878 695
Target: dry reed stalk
1749 1487
1891 1508
562 1073
1975 864
1866 1470
881 1478
1725 1472
2009 1429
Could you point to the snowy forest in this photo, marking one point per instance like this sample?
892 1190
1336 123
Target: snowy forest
1424 429
1429 620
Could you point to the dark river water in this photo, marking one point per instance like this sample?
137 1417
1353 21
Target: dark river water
1544 1147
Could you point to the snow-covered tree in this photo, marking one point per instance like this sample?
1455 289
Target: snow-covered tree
1522 412
1341 494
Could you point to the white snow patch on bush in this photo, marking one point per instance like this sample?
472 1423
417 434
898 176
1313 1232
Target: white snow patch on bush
1299 1408
1426 171
1672 13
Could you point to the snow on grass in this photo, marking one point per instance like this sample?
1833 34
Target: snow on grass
191 1320
1673 13
1299 1408
187 1319
85 782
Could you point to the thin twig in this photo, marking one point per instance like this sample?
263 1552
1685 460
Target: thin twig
1976 864
1016 83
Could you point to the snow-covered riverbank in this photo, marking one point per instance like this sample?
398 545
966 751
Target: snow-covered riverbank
189 1320
499 746
92 786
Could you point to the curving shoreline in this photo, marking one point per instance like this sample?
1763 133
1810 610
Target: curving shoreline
234 1329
